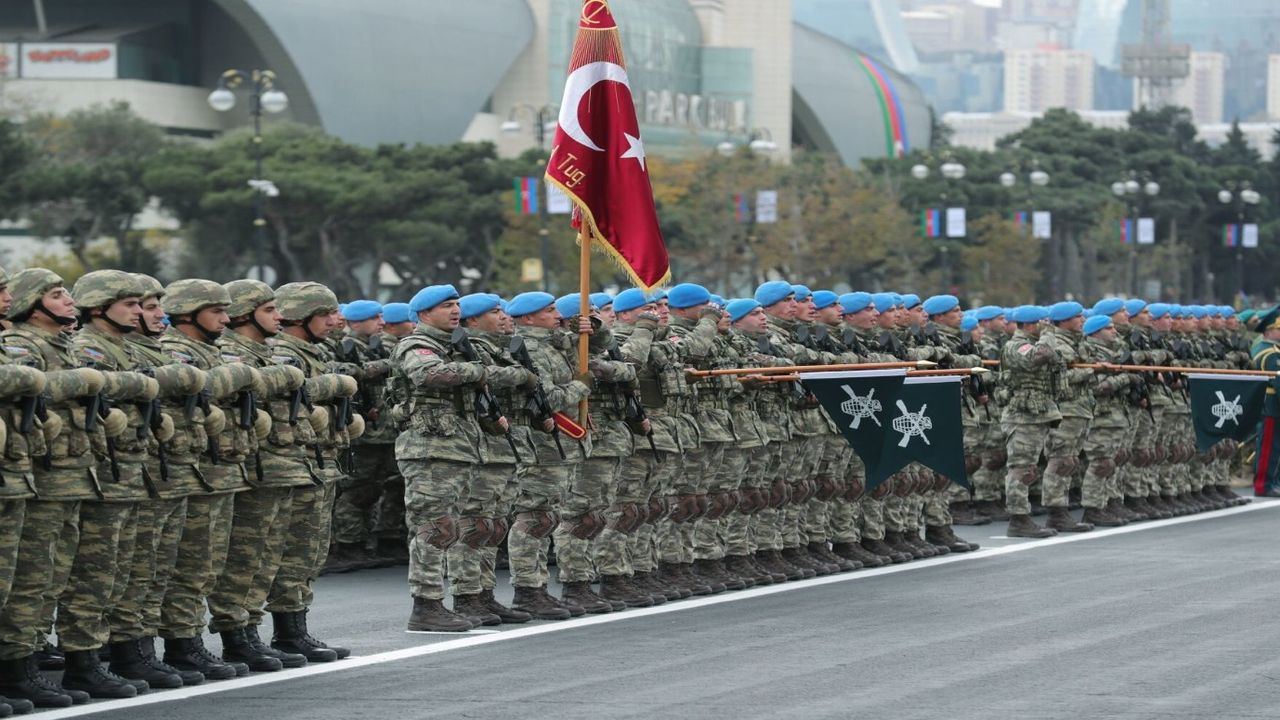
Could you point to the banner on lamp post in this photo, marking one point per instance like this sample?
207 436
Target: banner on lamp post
767 206
955 222
1146 231
1249 238
1041 224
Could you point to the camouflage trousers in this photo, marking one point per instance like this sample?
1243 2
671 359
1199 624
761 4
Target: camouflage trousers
158 527
12 513
306 546
736 526
936 511
988 480
432 491
49 529
202 553
643 476
259 526
389 514
808 457
845 519
766 525
699 465
360 491
1179 437
709 539
1140 438
588 491
1101 482
99 574
1024 443
833 463
871 511
1063 450
540 489
488 494
902 511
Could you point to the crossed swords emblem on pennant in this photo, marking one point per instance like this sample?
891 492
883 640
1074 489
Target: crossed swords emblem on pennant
1226 410
860 406
912 424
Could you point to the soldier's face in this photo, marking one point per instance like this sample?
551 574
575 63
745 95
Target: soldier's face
1232 322
367 328
863 319
631 316
125 312
663 310
830 314
548 318
325 324
1120 317
6 300
607 315
806 311
1163 323
444 316
152 317
784 309
398 329
488 322
1076 323
950 318
977 333
59 302
1106 334
506 324
1142 319
213 318
755 321
723 323
269 318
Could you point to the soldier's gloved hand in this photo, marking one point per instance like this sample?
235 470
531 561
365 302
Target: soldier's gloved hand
215 421
130 386
711 311
472 372
67 384
584 325
51 427
20 381
259 384
165 431
356 427
261 424
319 419
179 379
599 368
115 423
282 380
530 380
647 321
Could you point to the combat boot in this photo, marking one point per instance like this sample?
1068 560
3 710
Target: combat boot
713 575
15 707
236 648
1116 507
742 566
536 602
899 545
579 593
760 561
824 553
1229 495
736 570
1024 527
21 681
944 536
660 587
1099 517
964 513
430 615
509 616
992 509
291 636
1210 497
855 552
50 658
85 673
474 610
879 547
801 559
1156 509
147 649
1060 519
620 588
190 655
777 564
287 659
128 662
675 574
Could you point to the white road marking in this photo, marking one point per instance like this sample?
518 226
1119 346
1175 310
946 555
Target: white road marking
474 639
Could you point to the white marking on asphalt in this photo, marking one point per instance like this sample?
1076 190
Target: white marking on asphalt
473 639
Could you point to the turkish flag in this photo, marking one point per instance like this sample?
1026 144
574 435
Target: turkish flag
598 159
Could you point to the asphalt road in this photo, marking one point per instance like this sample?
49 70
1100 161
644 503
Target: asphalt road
1156 620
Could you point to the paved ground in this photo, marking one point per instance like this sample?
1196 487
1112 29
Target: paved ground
1156 620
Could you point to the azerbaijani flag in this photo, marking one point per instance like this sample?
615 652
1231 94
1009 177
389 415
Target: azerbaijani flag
1230 235
1125 228
526 195
740 210
930 222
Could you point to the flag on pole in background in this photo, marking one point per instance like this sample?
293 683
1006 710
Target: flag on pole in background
1125 230
1230 235
598 158
930 222
526 195
741 212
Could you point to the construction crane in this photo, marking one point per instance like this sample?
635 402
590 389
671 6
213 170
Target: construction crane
1157 61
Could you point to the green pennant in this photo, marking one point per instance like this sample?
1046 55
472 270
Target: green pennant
1225 406
858 403
923 426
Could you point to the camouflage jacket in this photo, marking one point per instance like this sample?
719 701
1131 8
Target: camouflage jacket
1145 346
372 357
1110 390
323 386
808 418
504 377
1075 396
554 356
1028 377
611 436
189 439
697 347
440 420
750 428
283 453
664 386
17 384
106 353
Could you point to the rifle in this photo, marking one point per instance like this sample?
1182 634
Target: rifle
97 407
152 419
633 408
537 403
766 348
977 385
485 403
247 407
351 354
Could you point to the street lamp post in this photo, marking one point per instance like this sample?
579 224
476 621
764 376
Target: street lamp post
544 119
263 97
950 170
1242 197
1128 191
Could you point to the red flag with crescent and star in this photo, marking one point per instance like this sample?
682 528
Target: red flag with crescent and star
598 159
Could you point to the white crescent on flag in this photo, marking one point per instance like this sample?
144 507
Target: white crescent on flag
576 87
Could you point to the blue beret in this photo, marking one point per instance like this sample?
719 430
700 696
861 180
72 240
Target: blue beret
503 303
909 300
885 301
939 304
1096 323
654 297
1196 311
687 295
629 300
478 304
739 308
802 292
1108 306
717 300
601 300
358 310
1158 310
824 298
1088 313
529 303
1065 311
1226 311
397 313
570 305
988 312
855 302
342 309
1133 306
429 297
968 323
773 292
1026 314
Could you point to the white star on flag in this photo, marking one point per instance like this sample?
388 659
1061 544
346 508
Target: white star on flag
635 151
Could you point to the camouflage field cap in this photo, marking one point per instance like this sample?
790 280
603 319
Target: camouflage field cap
28 286
100 288
300 300
247 296
151 287
4 277
185 297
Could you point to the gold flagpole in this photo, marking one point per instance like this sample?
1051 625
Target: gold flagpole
584 308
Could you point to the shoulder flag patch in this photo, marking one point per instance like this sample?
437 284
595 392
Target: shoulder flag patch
16 351
182 357
425 352
1025 348
228 358
284 360
94 354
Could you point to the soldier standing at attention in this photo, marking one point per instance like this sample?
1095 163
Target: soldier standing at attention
1266 356
1075 405
388 526
1028 367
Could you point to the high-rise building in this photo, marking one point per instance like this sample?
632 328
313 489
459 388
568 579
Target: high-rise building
1202 91
1273 87
1036 80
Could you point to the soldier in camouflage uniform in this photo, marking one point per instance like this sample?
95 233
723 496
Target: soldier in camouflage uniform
20 388
260 516
64 479
1132 401
1109 425
389 525
1028 370
1075 404
1132 336
485 504
309 316
988 480
438 450
1151 348
375 457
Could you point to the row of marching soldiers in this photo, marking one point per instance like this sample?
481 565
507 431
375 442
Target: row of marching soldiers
160 480
681 482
